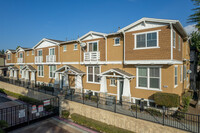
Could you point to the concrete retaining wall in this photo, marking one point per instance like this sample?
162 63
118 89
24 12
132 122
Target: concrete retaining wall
118 120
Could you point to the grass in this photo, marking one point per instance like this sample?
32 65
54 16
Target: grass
97 125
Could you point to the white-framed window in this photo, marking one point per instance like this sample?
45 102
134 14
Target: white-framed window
146 40
174 39
181 73
20 69
92 74
40 70
65 48
184 72
51 51
179 43
112 82
76 46
27 53
8 57
176 76
39 52
20 55
116 41
32 52
149 77
52 69
92 46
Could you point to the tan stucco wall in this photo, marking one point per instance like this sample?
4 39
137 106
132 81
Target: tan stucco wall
118 120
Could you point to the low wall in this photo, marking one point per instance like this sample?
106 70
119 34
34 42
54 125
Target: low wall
118 120
24 91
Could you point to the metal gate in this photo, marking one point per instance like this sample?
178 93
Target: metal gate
24 114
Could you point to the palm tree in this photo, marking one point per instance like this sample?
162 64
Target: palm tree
195 18
195 39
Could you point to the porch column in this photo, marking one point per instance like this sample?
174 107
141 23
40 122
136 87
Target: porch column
15 74
32 76
126 90
27 75
103 87
79 82
23 74
56 78
11 73
66 82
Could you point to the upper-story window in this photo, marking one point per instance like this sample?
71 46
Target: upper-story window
174 39
8 57
179 43
27 53
117 41
76 46
65 48
112 82
52 71
20 55
52 51
146 40
32 52
92 47
181 73
40 71
39 52
176 76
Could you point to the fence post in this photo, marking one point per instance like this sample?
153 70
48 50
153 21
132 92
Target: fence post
83 97
198 123
71 94
97 101
163 115
28 113
136 109
115 105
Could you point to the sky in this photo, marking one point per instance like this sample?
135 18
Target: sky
25 22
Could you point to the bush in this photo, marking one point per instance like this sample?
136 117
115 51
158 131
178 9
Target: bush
166 99
99 126
65 114
133 107
47 88
153 112
186 102
94 98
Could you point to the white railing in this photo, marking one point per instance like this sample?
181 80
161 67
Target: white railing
38 59
19 60
51 58
91 56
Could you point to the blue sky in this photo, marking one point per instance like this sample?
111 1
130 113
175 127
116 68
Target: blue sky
26 22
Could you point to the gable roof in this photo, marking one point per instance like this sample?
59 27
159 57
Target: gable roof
74 69
57 42
12 67
175 23
91 33
11 50
23 48
118 71
29 67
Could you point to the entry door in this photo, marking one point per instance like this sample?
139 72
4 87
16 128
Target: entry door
121 85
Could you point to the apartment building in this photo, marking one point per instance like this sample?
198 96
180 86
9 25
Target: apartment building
148 56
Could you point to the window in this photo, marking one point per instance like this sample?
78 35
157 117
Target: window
174 39
112 82
20 55
27 53
93 47
75 47
181 74
179 43
176 76
20 67
184 72
148 77
117 41
32 52
16 54
40 70
65 48
52 51
146 40
8 57
52 71
39 52
92 74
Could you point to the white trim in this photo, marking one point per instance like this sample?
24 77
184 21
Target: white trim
52 71
93 74
38 71
174 43
91 33
157 39
44 39
181 74
75 45
114 41
64 46
152 62
171 33
92 46
179 43
9 56
113 85
50 49
175 67
70 63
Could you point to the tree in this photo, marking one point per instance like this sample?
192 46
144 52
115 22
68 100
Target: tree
195 39
2 51
195 18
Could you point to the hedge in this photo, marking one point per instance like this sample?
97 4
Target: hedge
65 114
166 99
186 101
99 126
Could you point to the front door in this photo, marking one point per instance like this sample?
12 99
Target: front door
121 85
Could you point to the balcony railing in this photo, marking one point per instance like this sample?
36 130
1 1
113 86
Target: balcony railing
51 58
91 56
19 60
38 59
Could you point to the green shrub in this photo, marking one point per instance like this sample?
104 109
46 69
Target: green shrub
186 101
49 108
47 88
94 98
3 124
153 112
133 107
166 99
99 126
65 114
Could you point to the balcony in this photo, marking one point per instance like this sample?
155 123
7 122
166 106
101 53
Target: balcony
51 58
19 60
91 56
38 59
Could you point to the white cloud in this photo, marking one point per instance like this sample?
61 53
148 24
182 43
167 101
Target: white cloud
190 28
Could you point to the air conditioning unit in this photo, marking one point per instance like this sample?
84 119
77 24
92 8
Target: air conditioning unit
83 45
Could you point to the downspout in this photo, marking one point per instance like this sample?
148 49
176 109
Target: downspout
124 47
59 53
105 47
171 29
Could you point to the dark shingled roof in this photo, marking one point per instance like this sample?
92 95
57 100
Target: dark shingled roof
123 72
58 41
12 50
72 68
26 48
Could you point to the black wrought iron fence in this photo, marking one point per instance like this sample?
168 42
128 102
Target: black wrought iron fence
166 117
